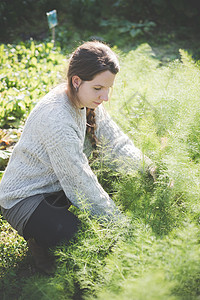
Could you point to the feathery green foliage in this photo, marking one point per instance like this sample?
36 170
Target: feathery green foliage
153 251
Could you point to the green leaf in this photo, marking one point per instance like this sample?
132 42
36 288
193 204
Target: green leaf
135 32
1 174
4 157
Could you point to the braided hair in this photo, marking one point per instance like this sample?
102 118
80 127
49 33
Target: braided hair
91 127
88 60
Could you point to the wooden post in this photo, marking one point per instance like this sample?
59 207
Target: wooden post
53 36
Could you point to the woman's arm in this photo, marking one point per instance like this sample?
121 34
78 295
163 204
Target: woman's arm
117 147
65 151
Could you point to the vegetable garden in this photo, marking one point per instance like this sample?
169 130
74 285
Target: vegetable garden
154 253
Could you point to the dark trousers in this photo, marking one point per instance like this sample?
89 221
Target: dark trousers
52 222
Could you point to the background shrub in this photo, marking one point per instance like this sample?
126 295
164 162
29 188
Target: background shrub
28 18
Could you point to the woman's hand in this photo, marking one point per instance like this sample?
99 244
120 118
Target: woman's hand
152 171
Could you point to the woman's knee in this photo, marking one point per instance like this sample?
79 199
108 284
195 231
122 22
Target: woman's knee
51 225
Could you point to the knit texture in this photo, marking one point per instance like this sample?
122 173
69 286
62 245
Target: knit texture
50 157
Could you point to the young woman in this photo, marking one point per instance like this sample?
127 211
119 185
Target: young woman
48 170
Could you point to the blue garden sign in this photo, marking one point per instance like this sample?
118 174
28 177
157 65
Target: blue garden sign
52 21
52 18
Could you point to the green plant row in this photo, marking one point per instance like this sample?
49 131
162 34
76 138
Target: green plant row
27 72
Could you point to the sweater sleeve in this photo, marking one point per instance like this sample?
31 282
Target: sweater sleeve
69 163
117 146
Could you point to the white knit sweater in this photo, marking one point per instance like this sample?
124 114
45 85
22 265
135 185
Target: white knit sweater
49 155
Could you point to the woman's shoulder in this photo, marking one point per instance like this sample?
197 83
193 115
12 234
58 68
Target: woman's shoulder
55 100
55 95
53 108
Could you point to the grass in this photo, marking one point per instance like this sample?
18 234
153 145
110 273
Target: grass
153 252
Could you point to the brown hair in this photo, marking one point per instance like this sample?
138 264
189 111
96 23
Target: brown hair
88 60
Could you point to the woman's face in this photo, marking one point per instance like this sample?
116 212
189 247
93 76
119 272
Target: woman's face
93 93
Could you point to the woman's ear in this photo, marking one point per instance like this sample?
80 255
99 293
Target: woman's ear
76 81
